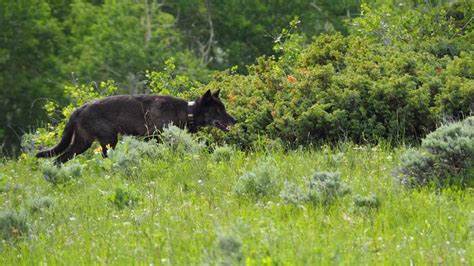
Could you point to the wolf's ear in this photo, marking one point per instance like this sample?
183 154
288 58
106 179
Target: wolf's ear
207 96
216 93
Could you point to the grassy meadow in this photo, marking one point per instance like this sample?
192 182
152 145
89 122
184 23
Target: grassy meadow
295 74
182 206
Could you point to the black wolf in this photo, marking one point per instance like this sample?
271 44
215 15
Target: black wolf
138 115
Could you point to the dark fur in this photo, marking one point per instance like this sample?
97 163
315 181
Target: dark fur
138 115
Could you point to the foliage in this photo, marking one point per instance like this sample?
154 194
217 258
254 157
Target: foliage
369 201
441 29
30 66
223 153
60 175
40 204
260 181
233 33
125 197
323 188
179 141
351 88
229 250
127 157
446 157
147 39
13 225
168 81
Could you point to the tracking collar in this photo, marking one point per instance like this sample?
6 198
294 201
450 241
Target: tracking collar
190 117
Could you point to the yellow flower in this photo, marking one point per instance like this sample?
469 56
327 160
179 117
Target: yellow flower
98 149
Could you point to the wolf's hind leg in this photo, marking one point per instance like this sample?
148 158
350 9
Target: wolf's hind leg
78 146
105 141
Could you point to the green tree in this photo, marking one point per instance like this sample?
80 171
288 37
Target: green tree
119 40
235 32
30 65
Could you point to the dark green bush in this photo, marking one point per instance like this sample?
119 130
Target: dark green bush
446 157
347 88
364 87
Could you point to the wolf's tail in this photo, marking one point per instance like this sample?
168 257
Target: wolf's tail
68 133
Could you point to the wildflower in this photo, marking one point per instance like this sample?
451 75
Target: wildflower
291 79
99 148
232 98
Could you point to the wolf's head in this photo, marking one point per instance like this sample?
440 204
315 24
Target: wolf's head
210 111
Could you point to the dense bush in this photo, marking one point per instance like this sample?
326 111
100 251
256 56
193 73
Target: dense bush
355 87
446 157
347 88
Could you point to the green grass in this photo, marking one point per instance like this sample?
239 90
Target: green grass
185 211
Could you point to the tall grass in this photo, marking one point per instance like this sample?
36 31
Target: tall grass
182 209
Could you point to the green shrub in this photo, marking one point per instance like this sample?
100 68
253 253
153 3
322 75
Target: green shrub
125 198
260 181
293 193
370 201
13 225
63 174
128 155
323 188
363 87
179 141
229 250
39 204
222 153
416 168
446 157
